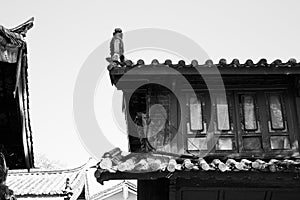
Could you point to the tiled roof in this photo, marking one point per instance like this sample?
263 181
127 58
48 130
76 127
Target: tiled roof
234 67
44 183
50 184
235 63
150 166
135 162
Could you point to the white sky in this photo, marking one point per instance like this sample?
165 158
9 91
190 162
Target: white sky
66 32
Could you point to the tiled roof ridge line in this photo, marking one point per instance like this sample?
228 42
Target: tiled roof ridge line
38 195
54 171
209 62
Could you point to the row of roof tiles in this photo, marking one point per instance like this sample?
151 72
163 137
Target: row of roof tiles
222 63
153 162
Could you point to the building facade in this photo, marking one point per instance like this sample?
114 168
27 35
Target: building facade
226 113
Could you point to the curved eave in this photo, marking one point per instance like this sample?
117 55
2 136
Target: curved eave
144 73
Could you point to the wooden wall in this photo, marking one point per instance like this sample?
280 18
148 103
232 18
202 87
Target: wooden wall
11 139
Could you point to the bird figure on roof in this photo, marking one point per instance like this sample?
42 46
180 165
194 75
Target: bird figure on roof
116 48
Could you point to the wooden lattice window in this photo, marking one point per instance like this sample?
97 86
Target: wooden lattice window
251 136
197 122
216 113
244 122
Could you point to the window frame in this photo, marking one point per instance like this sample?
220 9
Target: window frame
260 106
207 116
283 112
199 100
253 95
188 133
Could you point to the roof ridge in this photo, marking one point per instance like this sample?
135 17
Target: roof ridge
24 27
36 170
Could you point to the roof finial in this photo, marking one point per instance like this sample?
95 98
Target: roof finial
68 190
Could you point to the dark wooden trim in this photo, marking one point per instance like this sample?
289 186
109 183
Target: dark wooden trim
297 103
238 129
292 119
162 69
213 178
157 189
181 135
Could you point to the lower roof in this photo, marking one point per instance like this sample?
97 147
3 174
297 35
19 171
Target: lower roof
50 184
151 166
44 183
